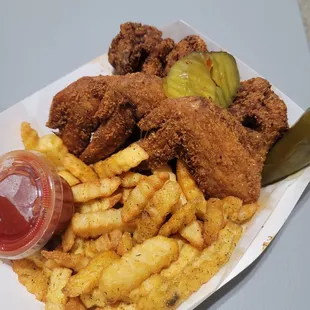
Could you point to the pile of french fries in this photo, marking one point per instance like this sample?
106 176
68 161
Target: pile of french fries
135 241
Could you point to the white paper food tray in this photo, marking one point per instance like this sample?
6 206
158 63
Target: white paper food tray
277 201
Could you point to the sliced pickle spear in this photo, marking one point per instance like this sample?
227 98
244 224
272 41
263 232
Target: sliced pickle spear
225 74
190 76
290 154
206 75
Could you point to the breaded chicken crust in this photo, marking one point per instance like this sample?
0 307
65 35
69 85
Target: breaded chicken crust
96 115
258 108
192 128
224 149
131 46
141 48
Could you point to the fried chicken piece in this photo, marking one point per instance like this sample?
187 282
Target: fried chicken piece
129 98
113 131
144 92
155 63
132 45
96 115
140 47
73 111
200 133
258 108
189 44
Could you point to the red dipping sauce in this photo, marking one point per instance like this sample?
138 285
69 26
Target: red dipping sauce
35 203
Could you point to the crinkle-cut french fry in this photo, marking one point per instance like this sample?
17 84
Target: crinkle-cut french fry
78 246
90 248
193 233
235 210
141 194
131 179
118 279
181 218
94 299
231 206
115 238
32 277
156 211
121 162
154 282
53 147
67 260
38 259
68 239
87 278
90 190
101 204
79 169
187 254
105 242
125 244
246 213
147 226
50 145
56 299
29 136
214 220
189 186
125 194
165 168
183 199
74 304
98 223
177 206
51 264
199 271
187 182
119 306
69 177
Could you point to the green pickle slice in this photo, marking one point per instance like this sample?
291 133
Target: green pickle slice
290 154
190 77
212 75
225 74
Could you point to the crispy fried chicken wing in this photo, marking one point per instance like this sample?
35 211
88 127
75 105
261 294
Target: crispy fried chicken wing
73 111
224 149
96 115
258 108
195 130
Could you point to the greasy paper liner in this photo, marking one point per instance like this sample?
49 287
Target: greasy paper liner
276 201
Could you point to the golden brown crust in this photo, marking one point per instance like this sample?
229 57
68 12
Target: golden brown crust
189 44
258 108
155 63
107 106
225 154
73 111
141 48
131 46
192 129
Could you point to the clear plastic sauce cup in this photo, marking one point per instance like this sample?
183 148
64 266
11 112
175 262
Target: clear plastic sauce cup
35 203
